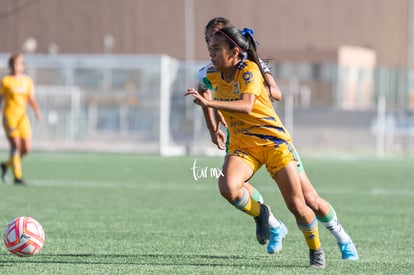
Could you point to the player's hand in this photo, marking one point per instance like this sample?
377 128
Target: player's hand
220 120
198 99
221 139
38 116
218 138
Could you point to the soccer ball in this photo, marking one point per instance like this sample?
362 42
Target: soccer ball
24 236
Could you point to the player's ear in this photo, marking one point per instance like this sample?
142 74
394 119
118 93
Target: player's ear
236 51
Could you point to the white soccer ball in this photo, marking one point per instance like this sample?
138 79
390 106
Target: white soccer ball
24 236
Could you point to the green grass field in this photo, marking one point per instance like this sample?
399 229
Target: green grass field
131 214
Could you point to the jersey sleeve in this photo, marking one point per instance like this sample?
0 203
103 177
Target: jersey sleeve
202 81
251 80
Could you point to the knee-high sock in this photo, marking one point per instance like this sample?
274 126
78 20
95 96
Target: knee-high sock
257 196
247 204
16 165
332 223
311 233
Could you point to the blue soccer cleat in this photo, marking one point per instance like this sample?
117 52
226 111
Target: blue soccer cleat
348 251
276 236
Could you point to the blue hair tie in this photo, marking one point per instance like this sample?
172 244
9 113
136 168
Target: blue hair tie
246 31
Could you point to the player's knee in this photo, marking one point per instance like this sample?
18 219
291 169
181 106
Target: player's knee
26 150
228 194
312 200
223 188
227 191
296 207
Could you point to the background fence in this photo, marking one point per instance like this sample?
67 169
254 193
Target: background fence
135 103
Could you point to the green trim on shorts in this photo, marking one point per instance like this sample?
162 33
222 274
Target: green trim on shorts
299 163
227 140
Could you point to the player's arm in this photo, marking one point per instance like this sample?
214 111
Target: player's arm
273 89
243 105
202 87
33 103
217 136
207 112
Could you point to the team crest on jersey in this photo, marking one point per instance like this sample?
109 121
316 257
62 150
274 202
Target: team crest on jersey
247 77
236 89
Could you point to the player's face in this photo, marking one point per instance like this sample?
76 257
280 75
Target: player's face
220 55
18 66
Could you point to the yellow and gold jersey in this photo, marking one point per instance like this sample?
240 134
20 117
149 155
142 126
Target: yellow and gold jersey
15 92
262 126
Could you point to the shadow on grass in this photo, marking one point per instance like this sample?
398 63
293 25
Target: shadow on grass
150 259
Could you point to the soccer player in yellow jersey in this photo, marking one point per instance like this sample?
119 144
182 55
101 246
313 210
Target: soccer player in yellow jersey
257 136
16 91
324 211
277 228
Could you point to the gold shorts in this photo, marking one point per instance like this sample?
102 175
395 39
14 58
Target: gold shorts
17 127
275 158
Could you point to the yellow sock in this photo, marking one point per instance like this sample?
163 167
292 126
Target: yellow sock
16 166
248 205
311 233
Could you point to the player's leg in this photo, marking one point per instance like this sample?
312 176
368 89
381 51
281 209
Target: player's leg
9 127
15 160
26 147
12 127
326 215
24 133
289 184
254 193
231 185
3 167
278 229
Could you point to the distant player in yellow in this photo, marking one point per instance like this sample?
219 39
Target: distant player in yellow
16 91
257 136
